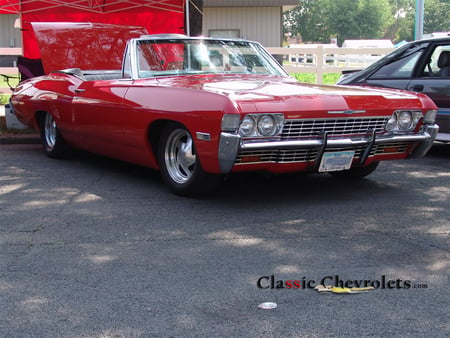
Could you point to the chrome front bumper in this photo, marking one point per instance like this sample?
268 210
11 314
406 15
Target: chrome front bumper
230 144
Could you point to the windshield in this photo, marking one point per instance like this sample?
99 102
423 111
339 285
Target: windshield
199 56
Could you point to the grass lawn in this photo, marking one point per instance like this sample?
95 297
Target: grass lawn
328 78
14 80
4 98
5 93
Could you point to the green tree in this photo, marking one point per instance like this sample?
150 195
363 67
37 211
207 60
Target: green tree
309 21
361 19
399 29
436 16
319 20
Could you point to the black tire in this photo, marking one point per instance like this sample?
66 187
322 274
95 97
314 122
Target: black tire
180 166
356 172
52 141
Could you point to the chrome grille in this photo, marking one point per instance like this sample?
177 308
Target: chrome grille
297 129
297 155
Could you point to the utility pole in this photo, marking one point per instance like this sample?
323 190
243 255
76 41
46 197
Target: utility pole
187 18
418 31
194 17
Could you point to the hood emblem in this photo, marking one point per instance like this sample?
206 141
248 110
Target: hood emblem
348 112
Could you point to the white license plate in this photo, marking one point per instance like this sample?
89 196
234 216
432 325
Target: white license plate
337 161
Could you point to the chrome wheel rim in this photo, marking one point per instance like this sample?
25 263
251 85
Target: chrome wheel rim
50 131
179 156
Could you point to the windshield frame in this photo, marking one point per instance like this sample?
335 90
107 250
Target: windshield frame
263 62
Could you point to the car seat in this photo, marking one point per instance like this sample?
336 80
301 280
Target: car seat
444 64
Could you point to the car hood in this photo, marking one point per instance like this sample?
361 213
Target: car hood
83 45
271 93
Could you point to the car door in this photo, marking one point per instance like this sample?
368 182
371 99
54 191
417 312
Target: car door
430 78
398 73
433 81
98 114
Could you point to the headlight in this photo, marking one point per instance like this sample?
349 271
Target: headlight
261 125
247 126
404 120
266 125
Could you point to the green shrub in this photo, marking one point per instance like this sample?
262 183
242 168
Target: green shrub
4 98
328 78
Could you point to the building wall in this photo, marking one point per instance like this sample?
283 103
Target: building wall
262 24
9 36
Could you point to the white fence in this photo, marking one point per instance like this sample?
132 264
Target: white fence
321 60
10 71
10 52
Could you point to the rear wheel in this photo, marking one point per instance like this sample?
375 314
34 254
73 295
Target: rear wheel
356 172
180 166
52 141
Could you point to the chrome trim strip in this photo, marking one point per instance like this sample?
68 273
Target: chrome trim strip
341 142
228 150
203 136
432 131
348 112
341 118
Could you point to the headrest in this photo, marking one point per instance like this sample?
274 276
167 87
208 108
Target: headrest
444 59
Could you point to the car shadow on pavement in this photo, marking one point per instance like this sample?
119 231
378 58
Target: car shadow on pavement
253 187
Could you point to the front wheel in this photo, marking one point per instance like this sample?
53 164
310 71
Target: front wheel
356 172
180 166
52 141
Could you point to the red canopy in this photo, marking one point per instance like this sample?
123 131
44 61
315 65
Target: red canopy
9 7
157 16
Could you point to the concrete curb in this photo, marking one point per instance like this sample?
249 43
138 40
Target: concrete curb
19 139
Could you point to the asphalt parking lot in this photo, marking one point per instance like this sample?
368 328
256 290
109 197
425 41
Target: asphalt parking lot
92 247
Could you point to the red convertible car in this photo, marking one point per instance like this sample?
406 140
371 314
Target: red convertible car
199 108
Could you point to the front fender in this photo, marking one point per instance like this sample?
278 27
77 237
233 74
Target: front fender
199 111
